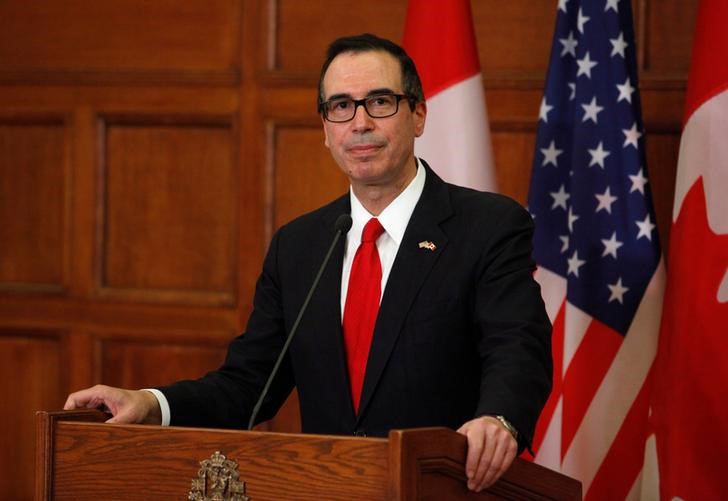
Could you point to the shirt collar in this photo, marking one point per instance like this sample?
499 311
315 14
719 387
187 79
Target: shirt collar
395 217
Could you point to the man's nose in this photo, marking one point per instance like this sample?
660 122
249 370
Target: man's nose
362 121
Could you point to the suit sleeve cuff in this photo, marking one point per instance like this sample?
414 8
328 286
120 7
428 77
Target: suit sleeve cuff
163 404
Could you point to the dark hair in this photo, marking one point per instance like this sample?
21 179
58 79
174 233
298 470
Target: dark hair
411 84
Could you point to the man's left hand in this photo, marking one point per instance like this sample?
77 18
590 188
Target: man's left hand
491 450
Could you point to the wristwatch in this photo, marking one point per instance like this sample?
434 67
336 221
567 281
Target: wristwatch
507 425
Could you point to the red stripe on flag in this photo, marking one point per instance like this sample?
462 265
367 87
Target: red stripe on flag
557 353
586 371
440 38
623 462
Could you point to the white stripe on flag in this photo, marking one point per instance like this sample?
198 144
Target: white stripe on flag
650 477
576 323
553 290
456 142
704 154
549 453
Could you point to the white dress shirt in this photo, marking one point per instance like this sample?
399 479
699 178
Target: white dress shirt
394 219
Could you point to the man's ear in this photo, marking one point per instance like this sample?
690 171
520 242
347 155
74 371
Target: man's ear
326 134
420 114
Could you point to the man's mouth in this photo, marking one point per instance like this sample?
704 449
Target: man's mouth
364 148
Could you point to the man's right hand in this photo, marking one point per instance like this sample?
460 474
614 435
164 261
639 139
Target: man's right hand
126 406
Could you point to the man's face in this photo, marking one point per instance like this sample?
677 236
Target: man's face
372 151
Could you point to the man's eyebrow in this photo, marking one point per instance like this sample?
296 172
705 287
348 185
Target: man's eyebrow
339 96
383 90
373 92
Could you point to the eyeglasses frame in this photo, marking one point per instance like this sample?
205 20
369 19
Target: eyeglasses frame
362 102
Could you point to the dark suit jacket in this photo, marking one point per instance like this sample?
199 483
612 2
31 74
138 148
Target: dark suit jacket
461 331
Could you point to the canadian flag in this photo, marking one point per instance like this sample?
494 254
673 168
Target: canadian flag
439 37
690 408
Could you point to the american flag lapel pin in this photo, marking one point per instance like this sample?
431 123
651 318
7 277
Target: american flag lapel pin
426 244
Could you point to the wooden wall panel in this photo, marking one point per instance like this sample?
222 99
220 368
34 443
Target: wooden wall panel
513 153
304 175
301 31
662 150
514 38
31 378
130 361
33 165
667 37
119 36
170 211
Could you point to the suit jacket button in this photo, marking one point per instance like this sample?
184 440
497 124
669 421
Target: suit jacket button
360 433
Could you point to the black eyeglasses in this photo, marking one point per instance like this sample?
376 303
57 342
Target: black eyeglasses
377 106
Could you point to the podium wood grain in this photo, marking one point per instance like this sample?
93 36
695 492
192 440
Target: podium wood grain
79 459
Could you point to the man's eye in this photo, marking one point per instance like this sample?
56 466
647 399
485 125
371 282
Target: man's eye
385 101
341 105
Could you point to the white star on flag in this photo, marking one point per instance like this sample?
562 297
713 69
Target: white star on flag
631 136
574 264
618 45
571 219
638 182
550 154
618 291
612 4
581 21
585 66
605 201
591 110
625 91
645 227
598 155
564 243
560 197
611 245
569 44
543 112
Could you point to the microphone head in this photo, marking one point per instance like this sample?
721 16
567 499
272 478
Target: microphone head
343 223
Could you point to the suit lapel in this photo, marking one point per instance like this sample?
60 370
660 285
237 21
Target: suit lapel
409 271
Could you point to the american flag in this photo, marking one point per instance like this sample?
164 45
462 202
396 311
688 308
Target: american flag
597 249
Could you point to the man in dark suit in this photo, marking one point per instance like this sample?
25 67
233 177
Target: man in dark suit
458 336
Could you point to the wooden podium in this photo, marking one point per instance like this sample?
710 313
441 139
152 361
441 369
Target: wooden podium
81 458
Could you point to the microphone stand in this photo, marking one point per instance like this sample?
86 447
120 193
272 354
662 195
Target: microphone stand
342 225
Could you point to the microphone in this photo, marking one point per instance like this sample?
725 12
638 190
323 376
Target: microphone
342 226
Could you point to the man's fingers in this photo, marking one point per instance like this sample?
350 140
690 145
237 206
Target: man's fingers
96 397
487 463
79 400
475 448
499 461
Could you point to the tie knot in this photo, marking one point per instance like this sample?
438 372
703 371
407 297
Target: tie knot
372 230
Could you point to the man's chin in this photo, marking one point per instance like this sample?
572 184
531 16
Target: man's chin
363 171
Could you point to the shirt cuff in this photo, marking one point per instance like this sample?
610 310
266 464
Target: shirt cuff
163 404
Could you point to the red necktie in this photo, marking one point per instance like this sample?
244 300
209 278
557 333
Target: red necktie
362 306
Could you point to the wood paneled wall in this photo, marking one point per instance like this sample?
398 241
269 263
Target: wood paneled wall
149 149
